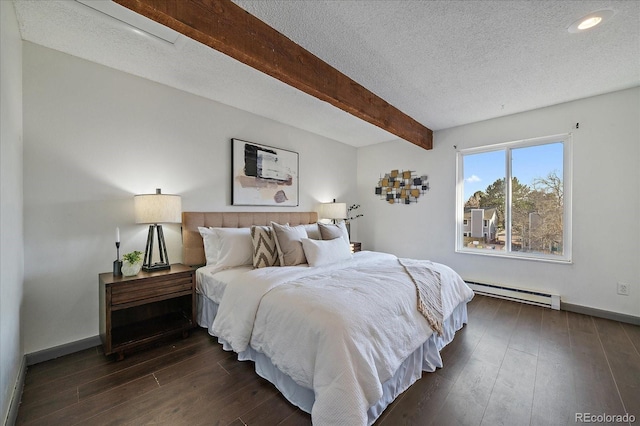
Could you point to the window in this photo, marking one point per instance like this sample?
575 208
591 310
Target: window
515 199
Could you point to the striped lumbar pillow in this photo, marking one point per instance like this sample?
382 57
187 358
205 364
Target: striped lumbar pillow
265 252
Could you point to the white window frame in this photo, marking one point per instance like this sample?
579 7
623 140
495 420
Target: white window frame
567 140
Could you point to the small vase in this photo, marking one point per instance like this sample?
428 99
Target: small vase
131 269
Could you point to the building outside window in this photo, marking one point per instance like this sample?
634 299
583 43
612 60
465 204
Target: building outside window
514 199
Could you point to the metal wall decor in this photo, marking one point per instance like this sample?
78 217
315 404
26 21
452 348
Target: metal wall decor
402 187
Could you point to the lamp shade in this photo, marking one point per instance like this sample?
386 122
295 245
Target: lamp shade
158 208
333 211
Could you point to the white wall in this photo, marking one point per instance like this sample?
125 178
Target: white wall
94 137
606 201
11 240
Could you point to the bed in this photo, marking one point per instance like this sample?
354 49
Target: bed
341 339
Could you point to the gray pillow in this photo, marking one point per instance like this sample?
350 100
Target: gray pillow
289 243
313 231
329 231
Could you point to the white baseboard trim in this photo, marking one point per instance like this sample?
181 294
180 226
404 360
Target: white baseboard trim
16 396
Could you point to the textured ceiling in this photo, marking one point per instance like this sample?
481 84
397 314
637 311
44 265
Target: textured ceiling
444 63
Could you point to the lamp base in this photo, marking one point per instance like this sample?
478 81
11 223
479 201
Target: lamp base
148 252
156 267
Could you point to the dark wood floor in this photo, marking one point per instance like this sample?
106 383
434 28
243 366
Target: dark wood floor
513 364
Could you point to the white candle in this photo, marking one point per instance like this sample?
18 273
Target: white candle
117 235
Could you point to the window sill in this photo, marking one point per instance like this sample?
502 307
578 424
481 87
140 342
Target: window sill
512 255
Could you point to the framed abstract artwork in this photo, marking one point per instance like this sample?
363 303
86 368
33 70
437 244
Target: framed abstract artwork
263 175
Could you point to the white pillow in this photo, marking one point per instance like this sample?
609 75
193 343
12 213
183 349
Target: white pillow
324 252
234 247
210 245
288 238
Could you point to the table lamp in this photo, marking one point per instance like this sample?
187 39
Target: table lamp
155 209
334 211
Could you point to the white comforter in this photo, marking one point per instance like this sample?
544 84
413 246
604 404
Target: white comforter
341 330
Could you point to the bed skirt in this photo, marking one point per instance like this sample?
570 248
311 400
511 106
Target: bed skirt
425 358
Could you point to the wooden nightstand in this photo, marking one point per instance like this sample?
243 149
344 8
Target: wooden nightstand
355 247
138 310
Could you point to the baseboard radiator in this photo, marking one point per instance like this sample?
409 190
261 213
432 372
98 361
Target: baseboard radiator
531 297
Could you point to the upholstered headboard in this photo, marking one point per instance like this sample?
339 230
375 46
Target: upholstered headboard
192 246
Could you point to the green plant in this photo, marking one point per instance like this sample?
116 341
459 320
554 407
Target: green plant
133 257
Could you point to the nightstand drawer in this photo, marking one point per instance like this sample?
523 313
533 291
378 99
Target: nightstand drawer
130 293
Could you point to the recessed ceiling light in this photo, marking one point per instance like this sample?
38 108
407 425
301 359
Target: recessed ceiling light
591 20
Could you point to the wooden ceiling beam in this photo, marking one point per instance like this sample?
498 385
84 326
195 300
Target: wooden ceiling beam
226 27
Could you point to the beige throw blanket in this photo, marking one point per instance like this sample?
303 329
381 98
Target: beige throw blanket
428 287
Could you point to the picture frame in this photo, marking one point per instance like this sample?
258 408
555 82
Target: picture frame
263 175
